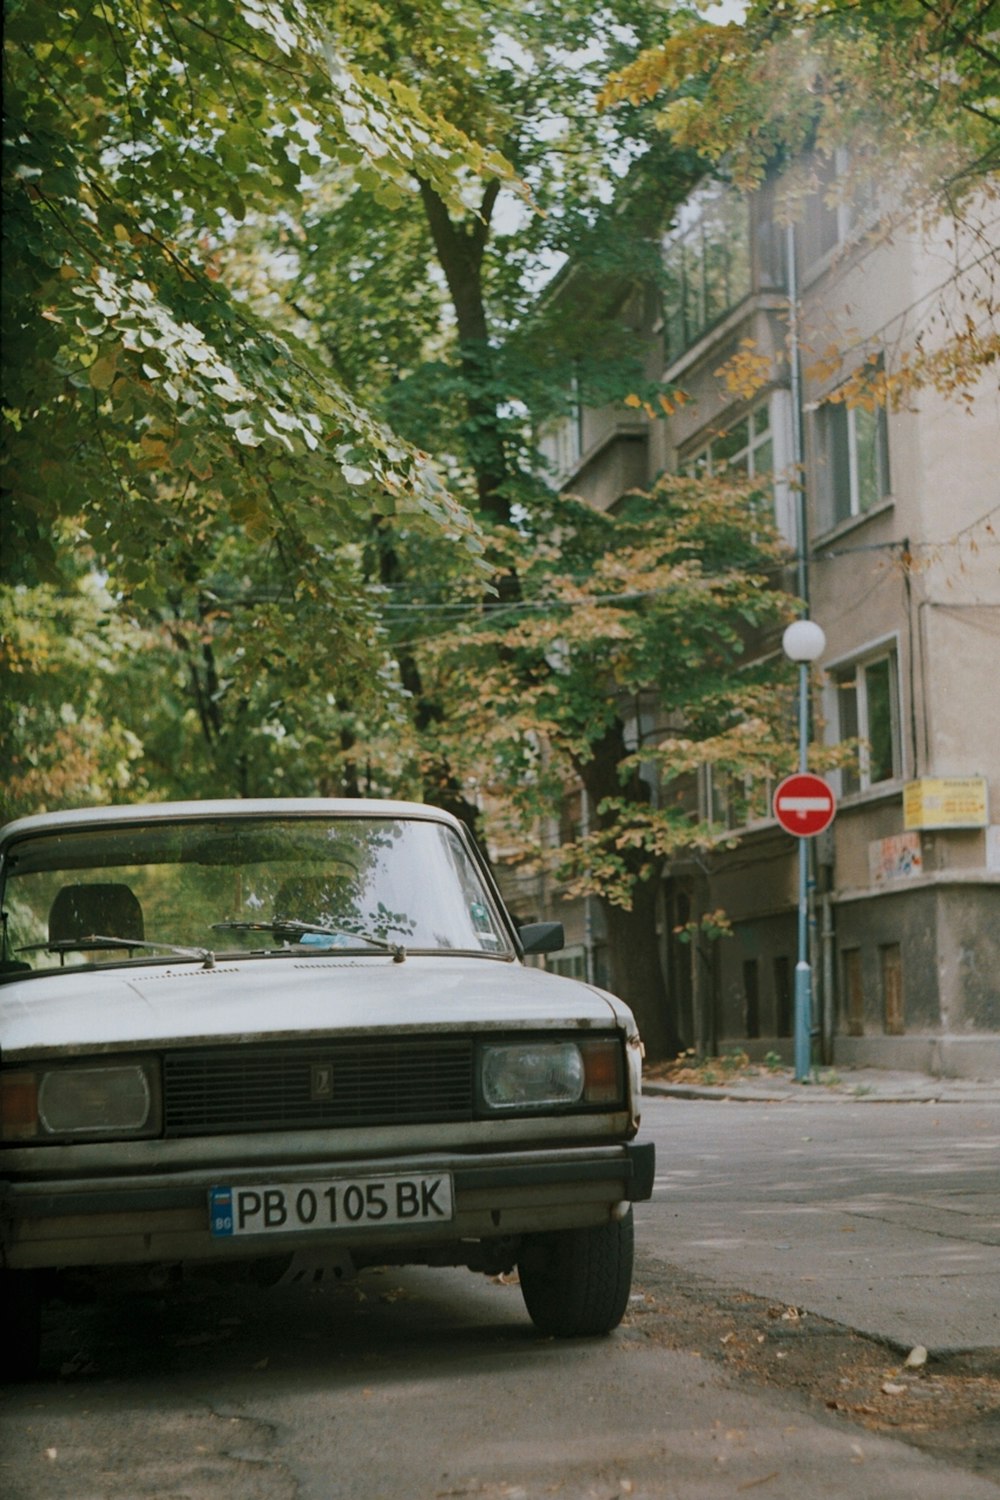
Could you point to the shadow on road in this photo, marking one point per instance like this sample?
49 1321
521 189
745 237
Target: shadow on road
324 1331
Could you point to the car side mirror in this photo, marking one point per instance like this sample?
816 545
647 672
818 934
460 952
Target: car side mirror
542 937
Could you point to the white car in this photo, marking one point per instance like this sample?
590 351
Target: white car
246 1030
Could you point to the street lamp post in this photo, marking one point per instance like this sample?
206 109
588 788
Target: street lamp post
803 642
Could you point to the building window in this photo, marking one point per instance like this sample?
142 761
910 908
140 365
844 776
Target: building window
571 962
840 203
715 802
727 801
852 460
867 710
758 444
747 446
823 218
706 265
571 817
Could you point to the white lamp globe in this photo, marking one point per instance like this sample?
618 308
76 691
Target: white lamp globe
803 640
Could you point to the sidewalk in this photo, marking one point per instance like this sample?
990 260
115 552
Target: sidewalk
853 1085
886 1221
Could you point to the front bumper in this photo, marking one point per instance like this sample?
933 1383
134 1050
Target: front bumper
142 1220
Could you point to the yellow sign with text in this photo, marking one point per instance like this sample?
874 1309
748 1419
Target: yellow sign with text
945 802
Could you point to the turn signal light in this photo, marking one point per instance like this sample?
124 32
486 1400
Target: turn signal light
602 1071
18 1106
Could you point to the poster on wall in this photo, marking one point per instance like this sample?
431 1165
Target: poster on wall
897 858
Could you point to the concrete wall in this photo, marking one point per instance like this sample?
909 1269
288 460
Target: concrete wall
618 462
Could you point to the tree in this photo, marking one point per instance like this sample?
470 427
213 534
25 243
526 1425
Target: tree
141 395
66 742
906 88
656 604
216 687
165 433
468 361
443 327
291 607
456 286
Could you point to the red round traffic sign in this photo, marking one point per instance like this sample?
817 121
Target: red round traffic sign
804 804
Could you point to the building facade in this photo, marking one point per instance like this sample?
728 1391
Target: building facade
780 338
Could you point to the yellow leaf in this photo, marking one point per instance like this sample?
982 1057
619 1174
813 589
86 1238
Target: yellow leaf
102 371
155 453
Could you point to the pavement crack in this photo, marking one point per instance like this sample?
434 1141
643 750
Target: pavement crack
254 1438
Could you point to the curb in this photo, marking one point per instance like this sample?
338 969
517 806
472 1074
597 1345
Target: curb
805 1093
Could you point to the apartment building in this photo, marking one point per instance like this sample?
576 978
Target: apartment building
894 513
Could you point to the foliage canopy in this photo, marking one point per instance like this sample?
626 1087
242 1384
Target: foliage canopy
625 667
904 95
143 397
911 83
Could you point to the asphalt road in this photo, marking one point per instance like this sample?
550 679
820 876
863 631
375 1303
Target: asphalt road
885 1217
422 1385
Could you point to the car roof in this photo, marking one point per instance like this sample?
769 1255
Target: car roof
223 807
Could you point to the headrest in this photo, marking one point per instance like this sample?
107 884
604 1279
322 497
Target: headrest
102 909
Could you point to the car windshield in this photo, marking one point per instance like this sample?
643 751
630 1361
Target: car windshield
245 884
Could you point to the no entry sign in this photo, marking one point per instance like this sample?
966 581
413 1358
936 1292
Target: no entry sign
804 804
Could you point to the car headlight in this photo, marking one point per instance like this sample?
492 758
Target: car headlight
93 1101
550 1074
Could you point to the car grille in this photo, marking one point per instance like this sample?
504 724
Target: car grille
317 1084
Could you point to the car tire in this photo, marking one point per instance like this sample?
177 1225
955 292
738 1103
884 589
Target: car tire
576 1282
20 1325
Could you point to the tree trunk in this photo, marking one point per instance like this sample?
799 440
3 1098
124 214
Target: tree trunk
633 947
441 787
636 975
460 249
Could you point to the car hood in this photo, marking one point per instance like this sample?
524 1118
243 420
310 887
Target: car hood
282 998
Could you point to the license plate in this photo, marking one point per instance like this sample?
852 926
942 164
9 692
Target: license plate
327 1205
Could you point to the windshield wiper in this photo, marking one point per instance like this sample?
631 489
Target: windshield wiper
98 940
287 927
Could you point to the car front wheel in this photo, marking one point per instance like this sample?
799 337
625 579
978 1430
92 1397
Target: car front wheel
576 1282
